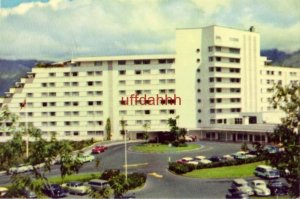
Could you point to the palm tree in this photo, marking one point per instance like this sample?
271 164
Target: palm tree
146 127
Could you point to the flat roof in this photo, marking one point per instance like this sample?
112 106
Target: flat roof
219 26
123 57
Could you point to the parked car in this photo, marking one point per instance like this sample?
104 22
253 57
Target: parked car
237 195
205 161
21 168
3 191
190 138
85 158
193 162
277 187
98 149
97 184
76 188
271 149
265 171
216 159
242 155
260 188
184 160
227 157
27 193
54 191
242 186
199 157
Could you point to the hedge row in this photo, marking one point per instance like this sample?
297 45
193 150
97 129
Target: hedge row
180 168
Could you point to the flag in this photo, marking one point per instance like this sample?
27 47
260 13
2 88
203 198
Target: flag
23 104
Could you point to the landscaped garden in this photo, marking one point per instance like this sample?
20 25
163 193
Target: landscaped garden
164 148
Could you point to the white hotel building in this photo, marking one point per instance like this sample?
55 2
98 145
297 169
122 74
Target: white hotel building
222 81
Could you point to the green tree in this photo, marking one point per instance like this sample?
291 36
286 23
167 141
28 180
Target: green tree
287 134
123 123
175 131
244 146
108 129
146 127
118 184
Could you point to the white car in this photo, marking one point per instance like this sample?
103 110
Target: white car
242 186
205 161
260 188
21 168
76 188
188 139
193 162
199 157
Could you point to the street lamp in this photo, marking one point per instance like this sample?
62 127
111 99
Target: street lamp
125 151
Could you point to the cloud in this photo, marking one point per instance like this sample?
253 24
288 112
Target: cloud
59 28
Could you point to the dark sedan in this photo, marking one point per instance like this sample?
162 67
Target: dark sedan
54 191
277 187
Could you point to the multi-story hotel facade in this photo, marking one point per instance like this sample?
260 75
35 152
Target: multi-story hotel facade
216 82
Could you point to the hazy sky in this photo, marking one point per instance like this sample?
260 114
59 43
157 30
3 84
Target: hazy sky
56 29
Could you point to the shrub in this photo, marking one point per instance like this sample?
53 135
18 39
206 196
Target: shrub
182 145
175 143
109 174
179 168
136 180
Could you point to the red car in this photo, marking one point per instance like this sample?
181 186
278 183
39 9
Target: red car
99 149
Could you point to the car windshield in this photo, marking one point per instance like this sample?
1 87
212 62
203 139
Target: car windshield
274 172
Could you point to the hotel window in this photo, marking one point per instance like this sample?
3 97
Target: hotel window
44 123
44 94
90 83
198 80
137 81
122 72
218 69
219 100
219 79
210 48
76 133
137 61
74 83
90 73
146 81
146 61
122 112
74 74
218 48
211 90
90 103
121 62
138 72
238 121
162 71
98 73
172 111
52 114
198 70
67 123
52 74
199 121
122 82
171 90
163 111
147 71
199 100
44 104
218 90
199 110
211 59
139 122
66 83
147 92
90 93
162 61
99 112
218 58
198 50
162 91
75 93
147 112
52 103
30 114
98 83
44 113
171 81
219 110
52 94
67 103
44 84
211 79
75 113
75 103
171 71
162 81
51 84
98 63
98 93
67 133
66 74
138 112
138 92
211 100
98 102
211 69
29 94
212 110
122 92
212 121
170 61
198 60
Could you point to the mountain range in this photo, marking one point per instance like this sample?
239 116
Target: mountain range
12 70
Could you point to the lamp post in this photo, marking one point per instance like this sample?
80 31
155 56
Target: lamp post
125 151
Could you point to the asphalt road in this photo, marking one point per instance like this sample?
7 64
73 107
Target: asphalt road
169 185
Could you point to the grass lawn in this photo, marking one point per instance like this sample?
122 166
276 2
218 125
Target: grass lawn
163 148
239 171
